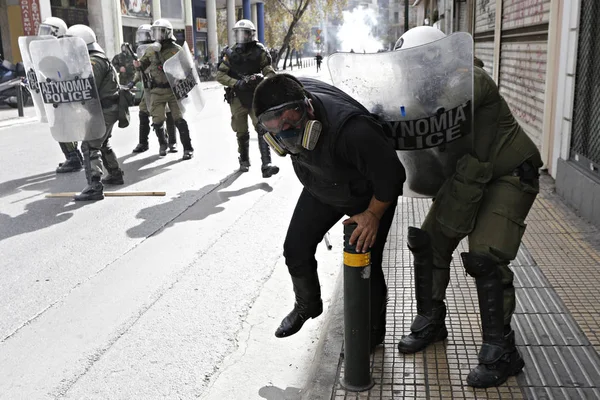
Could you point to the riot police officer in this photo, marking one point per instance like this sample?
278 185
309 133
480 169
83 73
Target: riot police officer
486 197
98 153
239 70
161 94
54 26
144 37
123 62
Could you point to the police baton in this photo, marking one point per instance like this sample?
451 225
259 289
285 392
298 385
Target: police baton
357 318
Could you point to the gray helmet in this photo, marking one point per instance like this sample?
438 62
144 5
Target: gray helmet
244 31
144 34
162 30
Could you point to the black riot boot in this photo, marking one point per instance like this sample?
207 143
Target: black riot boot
308 305
498 358
244 150
186 141
115 177
171 133
267 169
428 326
93 191
72 164
162 139
144 133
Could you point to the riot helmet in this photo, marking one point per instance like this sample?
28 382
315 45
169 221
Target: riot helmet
418 36
87 34
144 34
162 30
244 31
53 26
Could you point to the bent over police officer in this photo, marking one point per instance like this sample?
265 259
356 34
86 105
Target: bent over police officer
240 70
161 92
98 153
486 198
54 26
347 167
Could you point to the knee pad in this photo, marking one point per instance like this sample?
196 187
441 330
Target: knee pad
479 265
418 239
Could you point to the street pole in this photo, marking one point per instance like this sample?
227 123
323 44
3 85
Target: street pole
357 318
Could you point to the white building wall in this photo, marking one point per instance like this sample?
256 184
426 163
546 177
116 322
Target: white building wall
566 82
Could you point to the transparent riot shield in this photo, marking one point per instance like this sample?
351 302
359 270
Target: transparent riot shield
32 81
140 51
183 78
68 89
424 97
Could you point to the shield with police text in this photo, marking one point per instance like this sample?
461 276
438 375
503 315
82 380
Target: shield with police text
32 82
185 83
423 96
68 89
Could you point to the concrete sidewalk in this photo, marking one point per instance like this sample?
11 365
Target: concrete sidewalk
557 319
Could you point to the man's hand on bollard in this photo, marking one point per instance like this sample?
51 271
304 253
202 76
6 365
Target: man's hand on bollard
366 231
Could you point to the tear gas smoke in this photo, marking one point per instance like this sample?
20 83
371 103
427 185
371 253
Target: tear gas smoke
357 31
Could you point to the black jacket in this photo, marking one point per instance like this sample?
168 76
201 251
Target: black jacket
347 179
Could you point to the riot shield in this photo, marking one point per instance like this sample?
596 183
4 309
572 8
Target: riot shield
183 78
140 51
68 90
32 82
424 97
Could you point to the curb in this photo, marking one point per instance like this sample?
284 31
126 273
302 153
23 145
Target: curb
17 121
324 373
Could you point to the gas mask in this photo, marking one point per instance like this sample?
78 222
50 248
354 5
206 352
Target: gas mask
288 129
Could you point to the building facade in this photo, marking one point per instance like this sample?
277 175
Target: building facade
116 21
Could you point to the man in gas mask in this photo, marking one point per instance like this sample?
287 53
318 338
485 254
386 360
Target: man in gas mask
54 26
240 70
486 197
98 153
161 93
347 167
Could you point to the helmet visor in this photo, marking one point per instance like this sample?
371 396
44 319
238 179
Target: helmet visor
45 30
143 37
243 35
160 33
283 117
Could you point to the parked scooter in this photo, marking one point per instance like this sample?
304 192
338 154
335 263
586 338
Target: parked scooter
12 77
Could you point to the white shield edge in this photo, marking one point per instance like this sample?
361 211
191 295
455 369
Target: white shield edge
179 67
38 104
74 121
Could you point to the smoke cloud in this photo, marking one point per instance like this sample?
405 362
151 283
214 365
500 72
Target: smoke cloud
357 31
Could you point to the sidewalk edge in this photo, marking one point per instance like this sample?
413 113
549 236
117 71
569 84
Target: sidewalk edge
323 376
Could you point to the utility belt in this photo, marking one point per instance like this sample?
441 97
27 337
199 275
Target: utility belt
108 102
155 85
527 172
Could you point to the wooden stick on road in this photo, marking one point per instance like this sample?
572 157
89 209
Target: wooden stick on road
109 194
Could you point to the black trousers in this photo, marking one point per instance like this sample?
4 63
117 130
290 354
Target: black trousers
311 220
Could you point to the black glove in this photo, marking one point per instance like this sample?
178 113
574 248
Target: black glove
130 85
240 84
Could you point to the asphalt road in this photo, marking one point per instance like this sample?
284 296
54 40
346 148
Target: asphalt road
151 297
